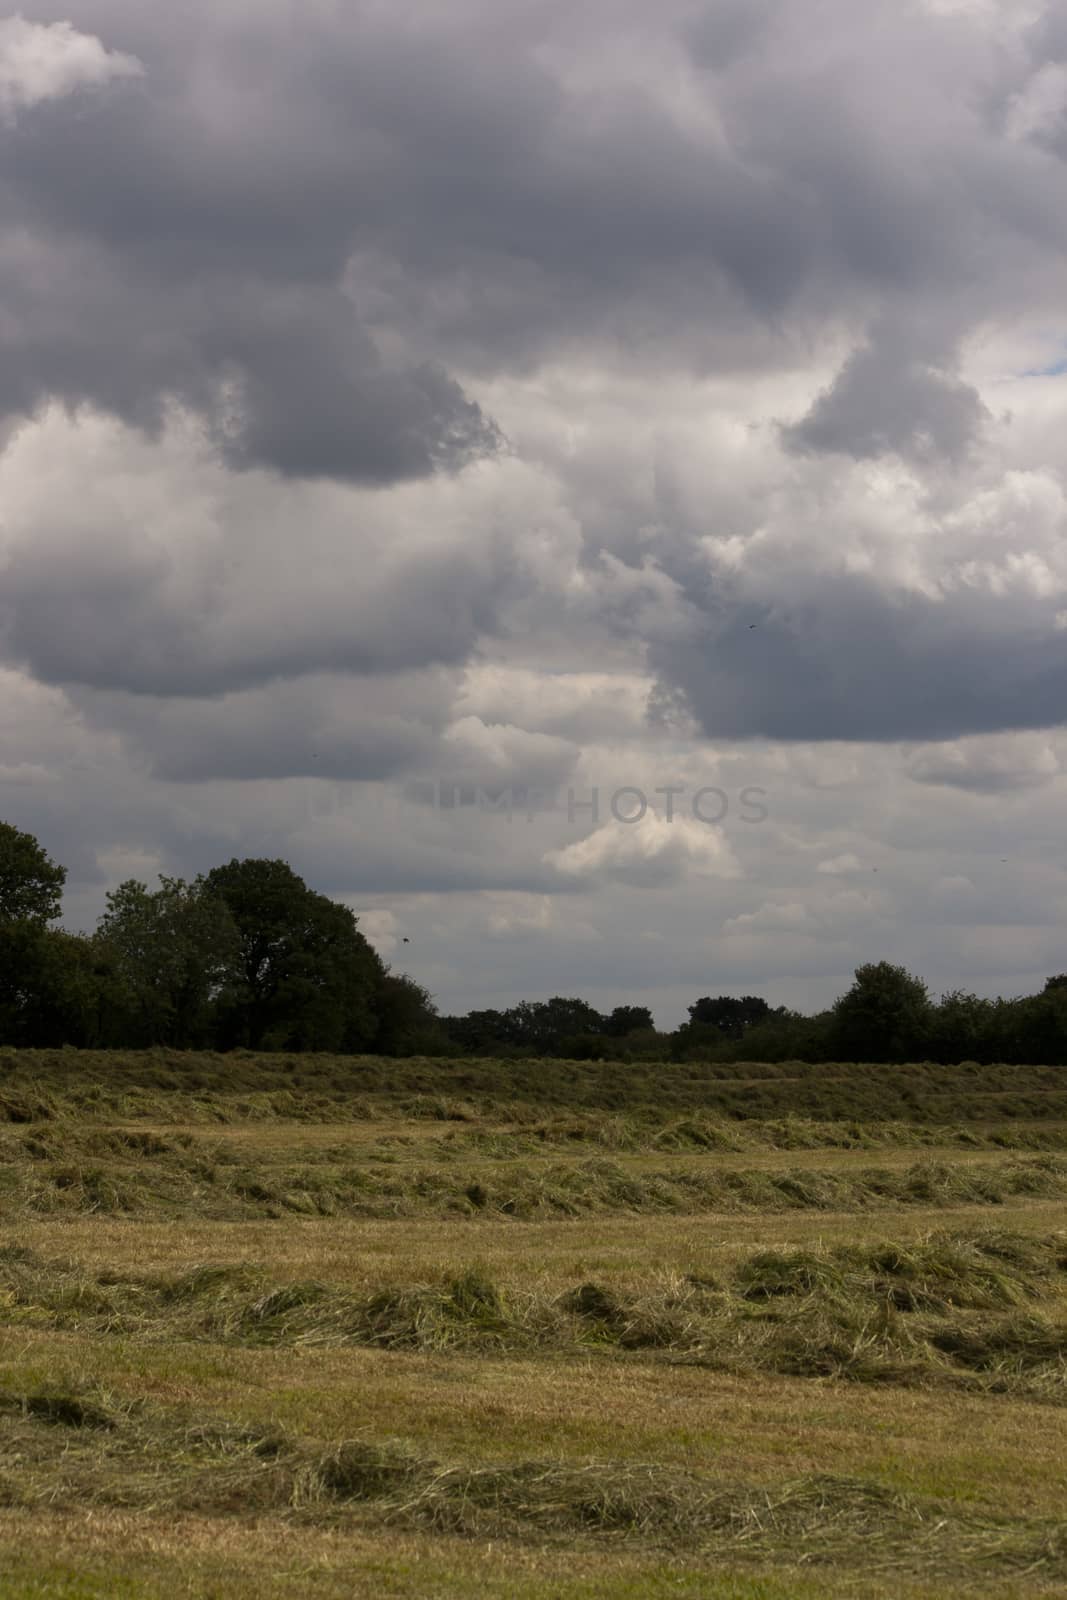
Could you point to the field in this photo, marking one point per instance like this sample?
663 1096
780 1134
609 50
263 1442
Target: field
311 1326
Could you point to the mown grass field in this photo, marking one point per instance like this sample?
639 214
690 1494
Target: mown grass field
290 1326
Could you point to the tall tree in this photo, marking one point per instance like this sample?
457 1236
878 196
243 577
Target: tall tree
172 950
885 1016
31 883
304 977
53 988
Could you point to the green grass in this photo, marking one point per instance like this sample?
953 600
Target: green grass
420 1567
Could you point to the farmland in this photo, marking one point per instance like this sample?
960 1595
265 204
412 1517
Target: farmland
309 1324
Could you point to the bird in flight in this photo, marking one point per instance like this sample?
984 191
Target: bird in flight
405 940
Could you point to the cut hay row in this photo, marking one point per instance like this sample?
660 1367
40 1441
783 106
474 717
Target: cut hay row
699 1134
124 1173
984 1312
84 1451
360 1133
166 1085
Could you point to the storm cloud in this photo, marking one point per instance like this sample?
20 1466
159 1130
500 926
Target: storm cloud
552 397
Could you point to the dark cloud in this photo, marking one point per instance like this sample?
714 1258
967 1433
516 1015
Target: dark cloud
888 398
313 400
340 728
863 663
294 221
285 197
322 727
284 376
111 629
169 253
239 590
660 359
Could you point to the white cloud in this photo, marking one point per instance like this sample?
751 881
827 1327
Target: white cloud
576 705
790 917
1041 107
494 754
382 928
122 862
837 866
647 854
955 893
40 62
536 917
23 773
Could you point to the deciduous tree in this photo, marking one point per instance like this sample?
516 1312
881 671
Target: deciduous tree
31 883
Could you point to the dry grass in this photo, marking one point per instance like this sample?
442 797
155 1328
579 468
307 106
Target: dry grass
362 1253
61 1168
990 1454
526 1329
203 1087
984 1312
141 1457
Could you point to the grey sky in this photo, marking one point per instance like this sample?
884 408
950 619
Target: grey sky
560 395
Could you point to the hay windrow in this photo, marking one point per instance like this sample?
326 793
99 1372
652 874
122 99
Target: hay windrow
984 1312
63 1170
149 1457
205 1087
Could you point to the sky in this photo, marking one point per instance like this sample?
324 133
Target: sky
656 415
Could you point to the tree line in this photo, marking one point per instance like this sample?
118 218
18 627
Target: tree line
886 1015
248 956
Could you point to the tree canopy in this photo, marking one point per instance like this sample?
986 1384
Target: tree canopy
173 950
885 1016
302 976
730 1015
31 884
